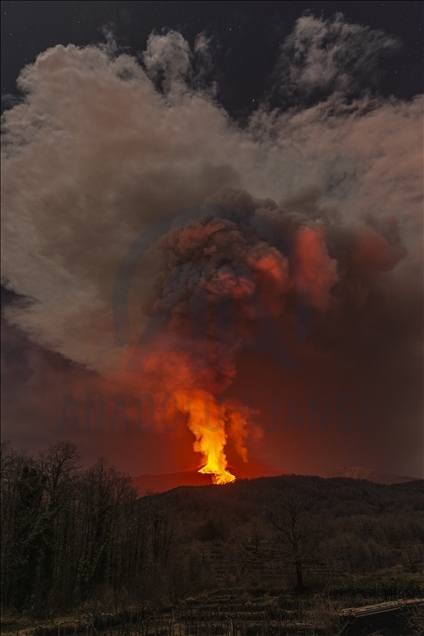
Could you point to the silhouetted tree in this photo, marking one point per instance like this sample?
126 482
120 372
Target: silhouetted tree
74 536
291 516
27 535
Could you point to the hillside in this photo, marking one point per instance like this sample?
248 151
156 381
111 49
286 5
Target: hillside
366 539
159 483
168 481
280 546
359 472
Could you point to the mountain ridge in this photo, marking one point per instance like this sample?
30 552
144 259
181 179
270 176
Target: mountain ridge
360 472
167 481
164 482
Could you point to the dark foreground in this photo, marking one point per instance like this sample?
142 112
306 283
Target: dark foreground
223 614
273 555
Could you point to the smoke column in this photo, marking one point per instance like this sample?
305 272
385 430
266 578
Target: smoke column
102 145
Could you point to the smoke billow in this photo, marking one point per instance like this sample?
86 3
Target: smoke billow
103 145
323 57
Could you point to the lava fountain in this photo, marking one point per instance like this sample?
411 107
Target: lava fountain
207 421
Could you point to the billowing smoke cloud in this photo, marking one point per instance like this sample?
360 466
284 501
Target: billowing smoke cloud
103 145
327 56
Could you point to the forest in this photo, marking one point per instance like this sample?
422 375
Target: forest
79 540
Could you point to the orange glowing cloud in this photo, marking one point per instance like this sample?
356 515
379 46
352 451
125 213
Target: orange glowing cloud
317 272
374 253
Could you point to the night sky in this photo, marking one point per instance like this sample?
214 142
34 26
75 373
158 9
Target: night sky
308 116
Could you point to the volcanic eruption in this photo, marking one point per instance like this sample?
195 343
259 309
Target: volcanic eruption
304 243
238 277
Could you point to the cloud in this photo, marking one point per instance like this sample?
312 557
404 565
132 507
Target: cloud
176 68
324 56
103 145
169 54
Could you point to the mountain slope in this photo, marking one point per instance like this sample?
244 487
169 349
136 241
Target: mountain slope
359 472
168 481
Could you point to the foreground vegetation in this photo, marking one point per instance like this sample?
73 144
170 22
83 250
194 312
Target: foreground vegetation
283 549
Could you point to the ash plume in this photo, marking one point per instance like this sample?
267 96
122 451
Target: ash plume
103 145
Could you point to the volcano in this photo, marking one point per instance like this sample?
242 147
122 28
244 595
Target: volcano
168 481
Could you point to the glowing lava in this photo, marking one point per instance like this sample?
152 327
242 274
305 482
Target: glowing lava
206 421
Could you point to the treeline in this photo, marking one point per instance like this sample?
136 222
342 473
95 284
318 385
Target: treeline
72 536
82 539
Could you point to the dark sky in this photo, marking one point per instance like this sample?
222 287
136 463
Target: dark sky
247 35
319 116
